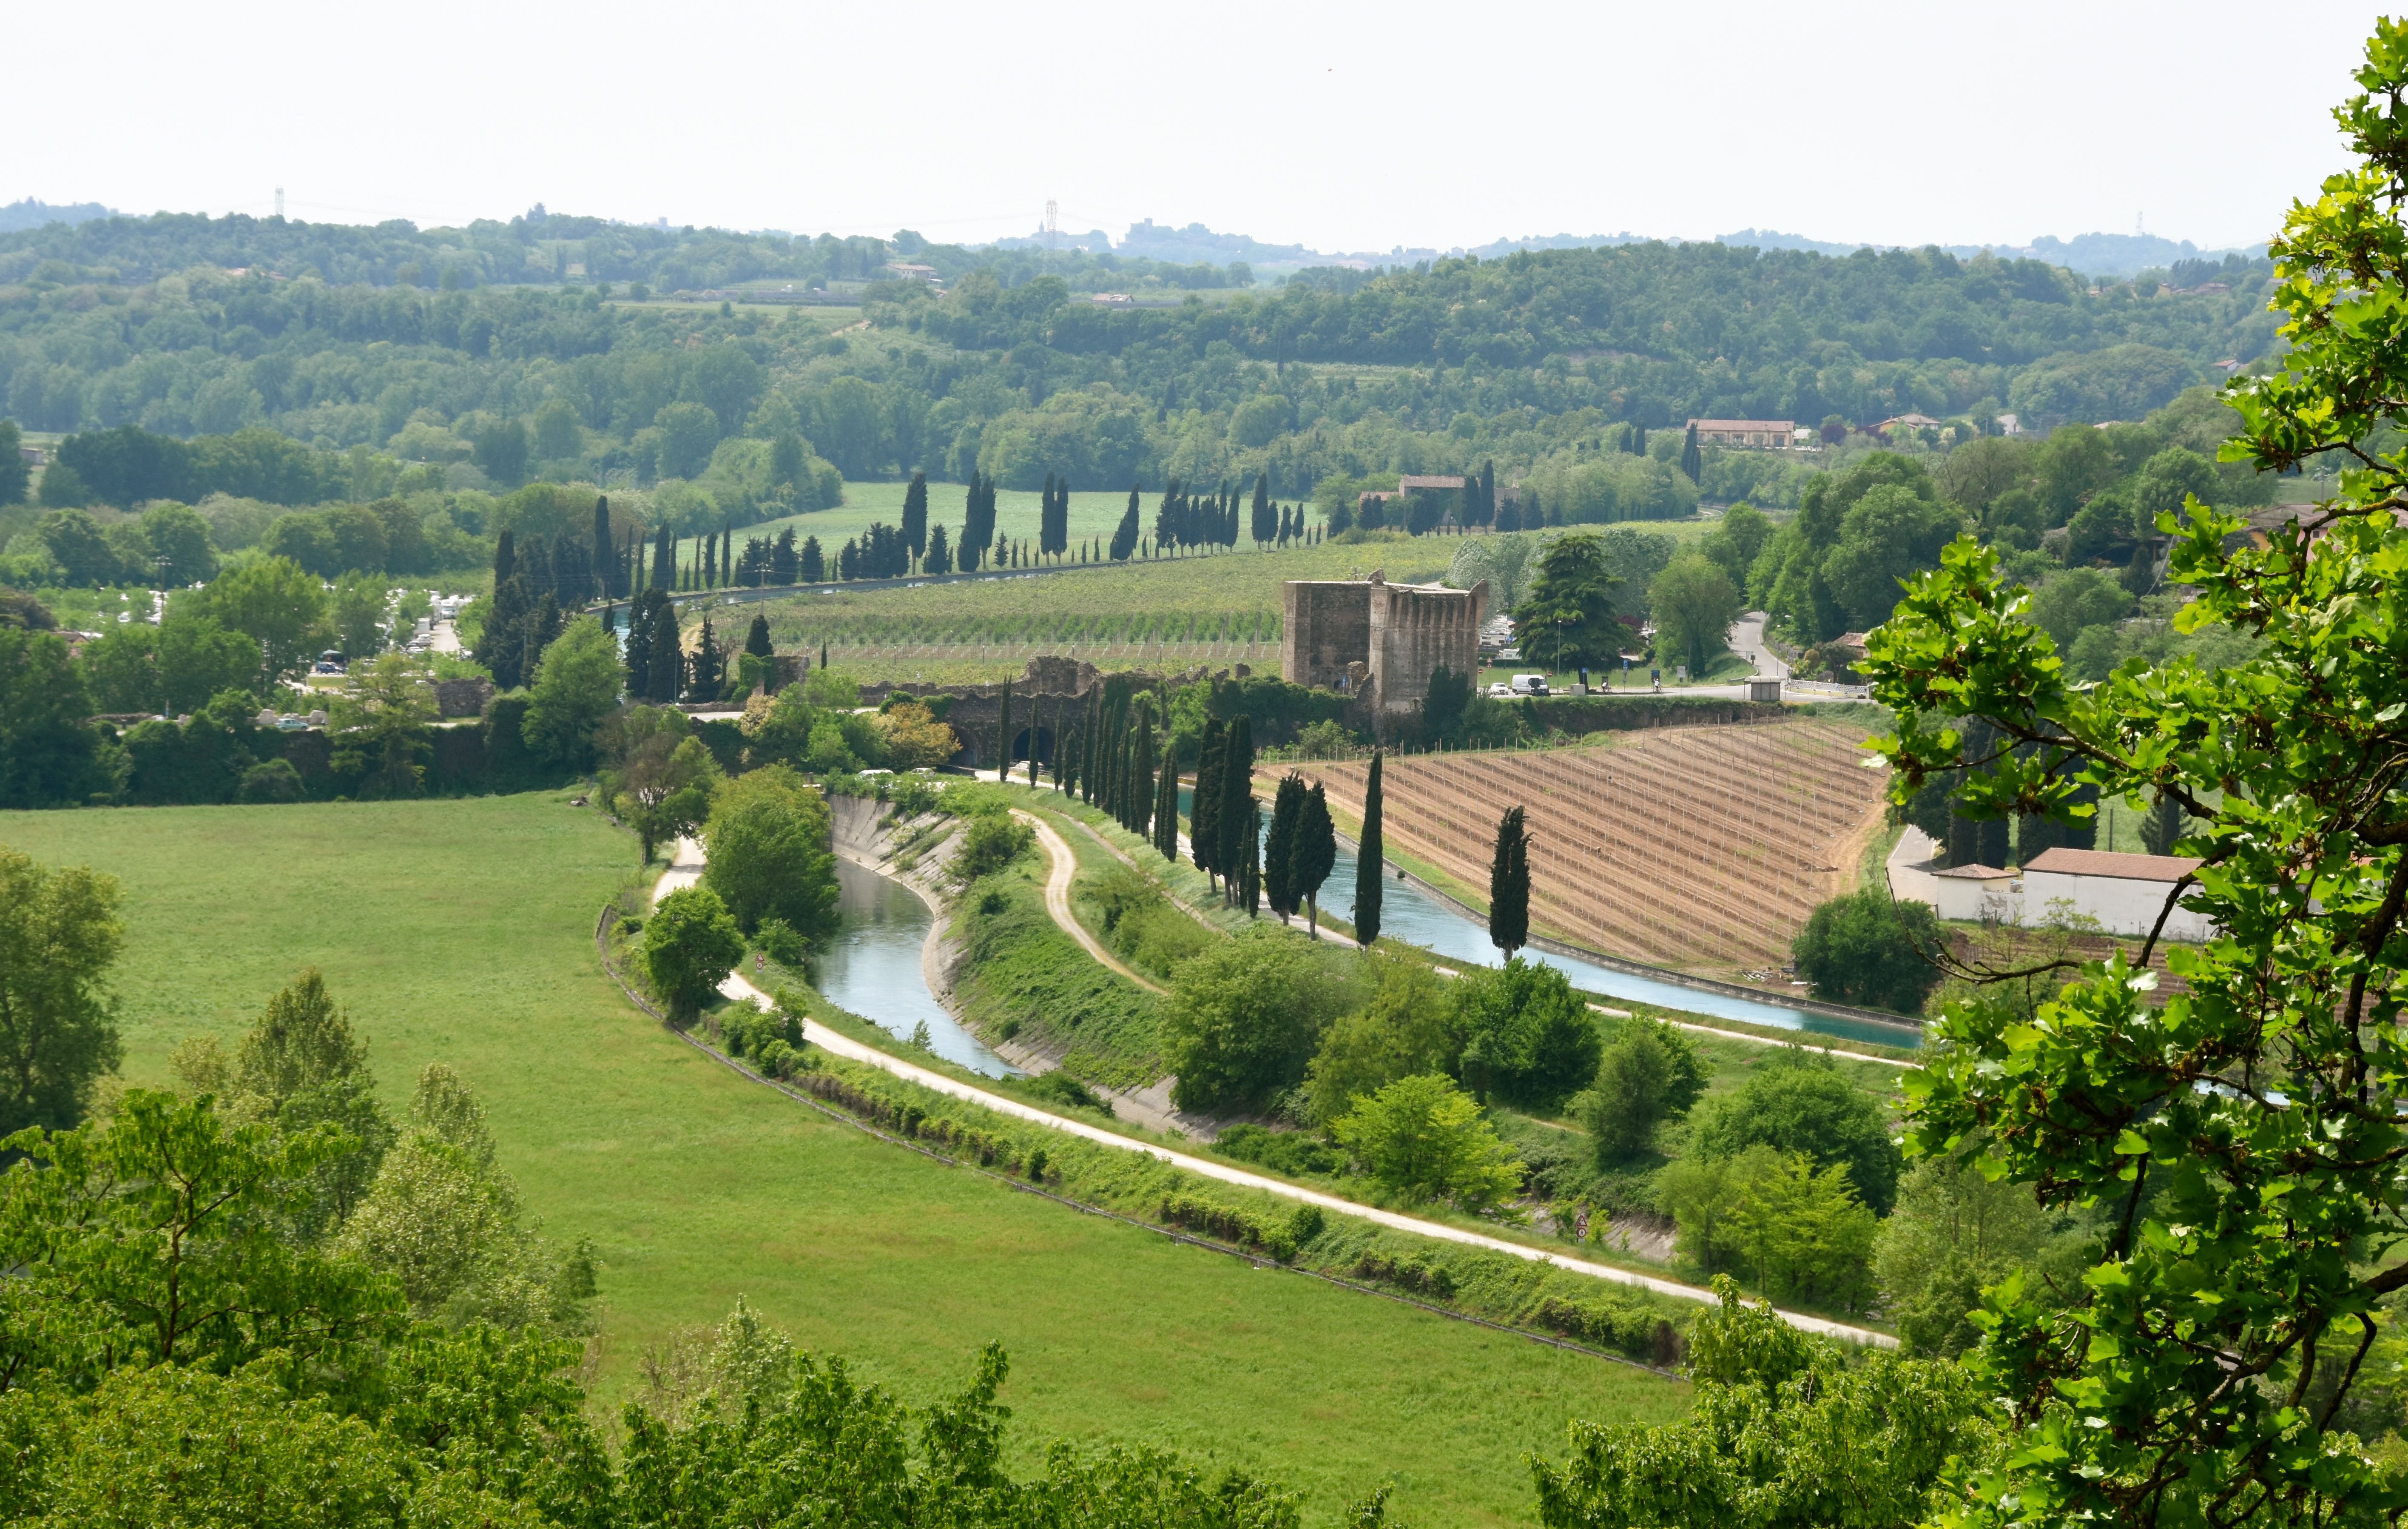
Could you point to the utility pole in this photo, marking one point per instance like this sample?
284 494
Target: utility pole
280 201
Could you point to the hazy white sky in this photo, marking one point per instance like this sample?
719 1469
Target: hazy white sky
1344 128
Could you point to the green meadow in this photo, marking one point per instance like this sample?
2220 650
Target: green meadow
463 931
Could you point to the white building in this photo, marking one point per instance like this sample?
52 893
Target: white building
2125 893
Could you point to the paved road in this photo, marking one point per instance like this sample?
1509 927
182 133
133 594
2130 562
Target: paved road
1747 641
686 867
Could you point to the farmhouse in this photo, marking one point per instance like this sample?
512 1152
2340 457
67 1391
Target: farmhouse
1369 636
2126 893
1777 434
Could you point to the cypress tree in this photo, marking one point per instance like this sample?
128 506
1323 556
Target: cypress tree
1249 892
1269 520
756 638
1141 777
1233 821
1204 816
1034 716
635 654
1279 849
915 515
1165 805
1693 462
664 572
1315 852
1487 493
1509 885
603 545
1003 736
1125 535
1368 891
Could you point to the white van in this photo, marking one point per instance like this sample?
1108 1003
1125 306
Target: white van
1529 684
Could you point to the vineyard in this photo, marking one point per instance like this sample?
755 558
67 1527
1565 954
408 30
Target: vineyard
1208 608
1689 847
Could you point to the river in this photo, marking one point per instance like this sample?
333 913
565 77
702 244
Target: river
1413 916
873 968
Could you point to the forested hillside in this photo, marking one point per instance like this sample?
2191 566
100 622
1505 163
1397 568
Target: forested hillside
512 348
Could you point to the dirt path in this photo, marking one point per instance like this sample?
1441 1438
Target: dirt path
685 868
1057 902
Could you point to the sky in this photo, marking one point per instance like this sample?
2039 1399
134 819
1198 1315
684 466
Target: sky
1343 128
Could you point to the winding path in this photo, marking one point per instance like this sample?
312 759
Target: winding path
1057 902
685 868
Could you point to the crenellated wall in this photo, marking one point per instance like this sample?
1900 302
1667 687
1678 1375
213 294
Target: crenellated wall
1346 634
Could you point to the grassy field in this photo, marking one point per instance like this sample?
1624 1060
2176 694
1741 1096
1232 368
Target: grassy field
463 931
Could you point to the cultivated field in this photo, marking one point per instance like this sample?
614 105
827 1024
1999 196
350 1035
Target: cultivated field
1213 602
463 931
1689 847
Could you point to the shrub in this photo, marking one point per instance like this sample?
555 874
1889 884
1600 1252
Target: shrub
1651 1074
990 843
1801 1103
1062 1089
1865 948
1425 1138
1528 1038
1282 1151
776 939
1245 1015
768 838
274 780
1279 1234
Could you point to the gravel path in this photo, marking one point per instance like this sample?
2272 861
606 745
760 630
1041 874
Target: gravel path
685 868
1057 902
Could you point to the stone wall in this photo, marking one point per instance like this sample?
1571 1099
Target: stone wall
1326 626
1352 634
1417 629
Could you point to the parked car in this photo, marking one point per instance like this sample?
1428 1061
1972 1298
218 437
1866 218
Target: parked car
1527 684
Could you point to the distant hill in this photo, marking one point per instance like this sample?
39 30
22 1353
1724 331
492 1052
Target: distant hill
2116 255
30 213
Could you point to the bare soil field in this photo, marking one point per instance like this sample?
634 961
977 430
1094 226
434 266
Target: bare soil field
1698 848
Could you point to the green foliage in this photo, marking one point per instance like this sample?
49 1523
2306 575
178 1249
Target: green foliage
1785 1434
275 604
1800 1232
691 943
1526 1037
655 775
1427 1139
1650 1073
47 757
380 721
1804 1105
60 934
1865 948
768 842
1405 1030
1953 1234
1244 1016
1294 1152
1572 603
992 841
576 685
1694 602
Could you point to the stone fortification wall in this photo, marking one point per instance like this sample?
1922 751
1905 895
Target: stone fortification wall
1359 635
1326 626
1417 629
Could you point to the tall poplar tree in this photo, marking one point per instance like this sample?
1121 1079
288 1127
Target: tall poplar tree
1509 885
1250 888
1368 891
